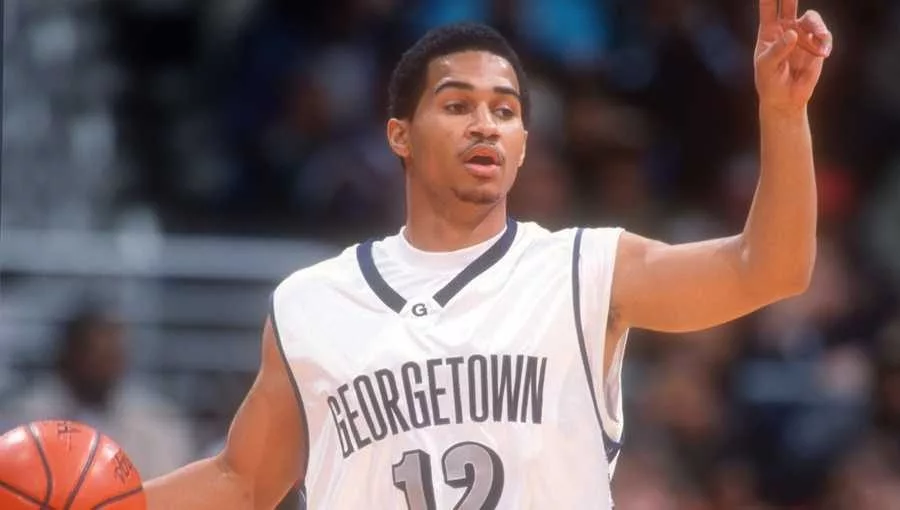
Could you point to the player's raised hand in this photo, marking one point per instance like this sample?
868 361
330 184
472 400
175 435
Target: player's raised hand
790 52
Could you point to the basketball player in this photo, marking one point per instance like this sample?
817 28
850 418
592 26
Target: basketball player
471 361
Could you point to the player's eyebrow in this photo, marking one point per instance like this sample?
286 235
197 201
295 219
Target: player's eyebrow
457 84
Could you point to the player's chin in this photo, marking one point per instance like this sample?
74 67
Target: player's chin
484 184
487 193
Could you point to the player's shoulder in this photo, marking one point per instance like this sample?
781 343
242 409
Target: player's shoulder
333 272
533 232
537 234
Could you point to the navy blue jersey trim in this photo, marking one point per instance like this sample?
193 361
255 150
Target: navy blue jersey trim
479 265
611 446
296 388
396 302
385 292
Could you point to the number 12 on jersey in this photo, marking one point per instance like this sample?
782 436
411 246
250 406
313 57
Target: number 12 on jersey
468 465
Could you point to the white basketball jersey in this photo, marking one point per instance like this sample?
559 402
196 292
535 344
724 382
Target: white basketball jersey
466 386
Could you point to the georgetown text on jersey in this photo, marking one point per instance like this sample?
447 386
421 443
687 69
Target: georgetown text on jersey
440 391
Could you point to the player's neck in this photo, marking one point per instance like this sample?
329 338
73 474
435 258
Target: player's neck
444 233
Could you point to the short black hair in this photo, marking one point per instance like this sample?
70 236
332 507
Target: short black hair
408 79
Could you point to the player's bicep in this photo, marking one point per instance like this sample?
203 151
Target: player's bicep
684 287
266 443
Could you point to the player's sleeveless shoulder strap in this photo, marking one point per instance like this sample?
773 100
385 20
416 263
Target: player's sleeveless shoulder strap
611 446
297 396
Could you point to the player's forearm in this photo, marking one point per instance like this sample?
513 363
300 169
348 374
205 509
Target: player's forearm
204 485
780 235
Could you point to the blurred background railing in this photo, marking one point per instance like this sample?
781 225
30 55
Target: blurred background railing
192 304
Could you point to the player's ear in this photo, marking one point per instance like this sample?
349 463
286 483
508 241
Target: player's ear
398 137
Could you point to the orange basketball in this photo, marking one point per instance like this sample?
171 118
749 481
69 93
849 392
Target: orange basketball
66 465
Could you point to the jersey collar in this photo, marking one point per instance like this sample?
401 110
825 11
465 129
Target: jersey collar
396 302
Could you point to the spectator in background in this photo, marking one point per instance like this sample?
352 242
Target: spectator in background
89 386
803 386
868 475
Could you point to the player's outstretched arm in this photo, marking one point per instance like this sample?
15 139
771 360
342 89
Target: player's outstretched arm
263 455
699 285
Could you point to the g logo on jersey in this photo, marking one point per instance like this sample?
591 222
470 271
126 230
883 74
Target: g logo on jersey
419 310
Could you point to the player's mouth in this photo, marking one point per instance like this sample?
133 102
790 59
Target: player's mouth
483 161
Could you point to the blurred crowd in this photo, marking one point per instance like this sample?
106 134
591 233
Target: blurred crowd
267 119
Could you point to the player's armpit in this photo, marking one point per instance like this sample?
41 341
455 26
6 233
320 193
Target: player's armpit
692 286
263 456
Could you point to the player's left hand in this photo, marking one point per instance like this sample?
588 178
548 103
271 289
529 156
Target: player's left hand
790 53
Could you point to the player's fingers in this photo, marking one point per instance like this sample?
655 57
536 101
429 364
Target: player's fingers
780 49
814 45
811 72
768 11
788 9
816 37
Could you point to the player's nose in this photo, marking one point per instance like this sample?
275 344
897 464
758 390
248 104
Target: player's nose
483 126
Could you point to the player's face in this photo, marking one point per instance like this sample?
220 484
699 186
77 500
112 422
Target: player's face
466 140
